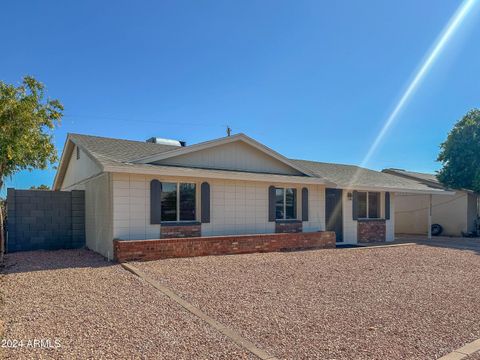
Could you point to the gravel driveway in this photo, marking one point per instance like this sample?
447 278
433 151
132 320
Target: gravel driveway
97 310
409 302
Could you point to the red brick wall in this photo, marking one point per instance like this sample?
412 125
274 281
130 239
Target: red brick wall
180 231
127 250
288 226
371 231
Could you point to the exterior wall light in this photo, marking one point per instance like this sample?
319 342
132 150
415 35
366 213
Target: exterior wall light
349 196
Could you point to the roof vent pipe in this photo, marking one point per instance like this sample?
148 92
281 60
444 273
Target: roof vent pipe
162 141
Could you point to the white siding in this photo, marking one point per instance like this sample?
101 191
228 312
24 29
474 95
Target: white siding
240 207
472 213
350 225
390 224
98 215
79 170
233 156
237 207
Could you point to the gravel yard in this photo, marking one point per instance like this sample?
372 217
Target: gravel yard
97 310
409 302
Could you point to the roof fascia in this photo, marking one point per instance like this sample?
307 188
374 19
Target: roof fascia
64 160
398 190
217 174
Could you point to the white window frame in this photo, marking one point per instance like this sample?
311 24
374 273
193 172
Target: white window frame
178 202
285 204
380 207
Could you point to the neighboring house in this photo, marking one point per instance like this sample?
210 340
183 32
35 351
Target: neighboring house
229 186
456 214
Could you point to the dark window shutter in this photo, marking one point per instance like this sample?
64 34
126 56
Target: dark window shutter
271 203
304 204
205 202
155 202
387 205
295 203
355 205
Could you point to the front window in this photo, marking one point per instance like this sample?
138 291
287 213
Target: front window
368 205
178 202
285 203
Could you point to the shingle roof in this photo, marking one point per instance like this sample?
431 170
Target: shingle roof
348 176
109 151
431 178
123 153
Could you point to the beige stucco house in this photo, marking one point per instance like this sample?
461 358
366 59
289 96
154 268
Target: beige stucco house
156 189
456 214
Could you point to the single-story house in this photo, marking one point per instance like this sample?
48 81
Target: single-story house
456 214
164 189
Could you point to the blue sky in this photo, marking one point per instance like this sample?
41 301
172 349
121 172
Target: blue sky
310 79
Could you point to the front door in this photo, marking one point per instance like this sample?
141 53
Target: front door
333 212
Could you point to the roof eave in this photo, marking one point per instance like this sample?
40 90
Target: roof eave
398 190
218 174
68 148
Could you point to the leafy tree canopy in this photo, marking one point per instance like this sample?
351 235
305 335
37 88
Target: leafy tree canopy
460 154
27 119
40 187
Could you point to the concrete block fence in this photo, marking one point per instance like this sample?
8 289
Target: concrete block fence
41 219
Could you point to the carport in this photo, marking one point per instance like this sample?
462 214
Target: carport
415 213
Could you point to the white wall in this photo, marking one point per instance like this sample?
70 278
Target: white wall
78 170
237 207
98 215
472 211
233 156
350 225
390 224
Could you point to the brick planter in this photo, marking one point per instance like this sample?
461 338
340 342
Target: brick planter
286 226
370 231
129 250
180 230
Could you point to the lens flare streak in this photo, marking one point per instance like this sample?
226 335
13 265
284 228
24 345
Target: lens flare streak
440 44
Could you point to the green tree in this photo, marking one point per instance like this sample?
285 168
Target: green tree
27 121
460 154
40 187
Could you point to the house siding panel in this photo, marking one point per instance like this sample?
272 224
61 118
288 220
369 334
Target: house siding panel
79 170
234 156
237 207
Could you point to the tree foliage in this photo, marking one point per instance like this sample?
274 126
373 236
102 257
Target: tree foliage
460 154
40 187
27 120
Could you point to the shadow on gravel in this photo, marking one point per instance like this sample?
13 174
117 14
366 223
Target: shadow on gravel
469 244
44 260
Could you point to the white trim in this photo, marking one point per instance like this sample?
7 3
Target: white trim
396 190
68 149
177 205
222 141
285 203
380 207
217 174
